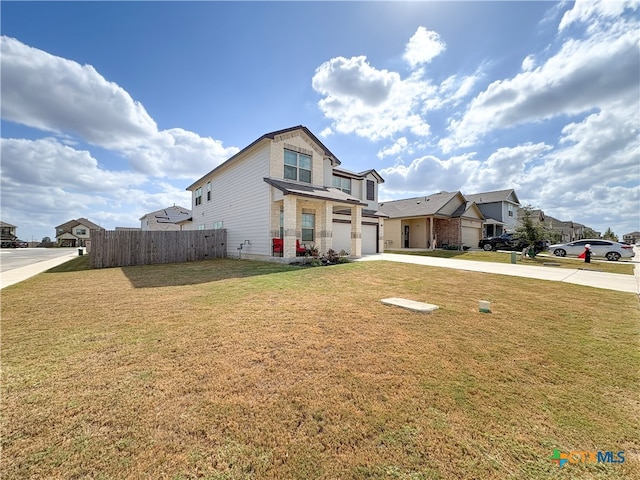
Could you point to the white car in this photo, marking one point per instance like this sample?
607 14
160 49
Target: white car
599 248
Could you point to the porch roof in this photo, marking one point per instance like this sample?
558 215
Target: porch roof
313 191
493 221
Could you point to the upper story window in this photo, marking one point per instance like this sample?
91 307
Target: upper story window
510 213
342 183
371 190
208 191
81 231
198 195
297 166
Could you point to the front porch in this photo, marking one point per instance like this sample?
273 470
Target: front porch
301 226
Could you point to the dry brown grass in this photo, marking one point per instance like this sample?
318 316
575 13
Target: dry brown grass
237 370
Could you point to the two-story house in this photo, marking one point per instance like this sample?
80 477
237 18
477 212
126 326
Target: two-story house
170 218
287 189
75 233
500 210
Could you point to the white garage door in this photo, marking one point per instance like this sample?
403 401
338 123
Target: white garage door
470 236
369 239
342 238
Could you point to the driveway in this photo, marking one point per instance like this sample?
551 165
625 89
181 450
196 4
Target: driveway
609 281
18 264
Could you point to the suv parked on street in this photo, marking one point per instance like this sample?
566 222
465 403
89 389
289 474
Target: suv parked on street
508 241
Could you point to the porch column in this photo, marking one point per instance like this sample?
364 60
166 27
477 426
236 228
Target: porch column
356 231
432 241
380 235
289 226
325 227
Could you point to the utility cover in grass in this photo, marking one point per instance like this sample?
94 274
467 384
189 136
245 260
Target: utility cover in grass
410 304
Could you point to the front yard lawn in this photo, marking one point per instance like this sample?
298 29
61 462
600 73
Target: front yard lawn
229 369
623 266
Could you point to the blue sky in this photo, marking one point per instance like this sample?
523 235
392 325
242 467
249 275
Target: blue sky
110 109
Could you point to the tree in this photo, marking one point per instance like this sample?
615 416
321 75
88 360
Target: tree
589 233
609 235
532 232
46 240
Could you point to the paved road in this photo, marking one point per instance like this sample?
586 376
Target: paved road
17 264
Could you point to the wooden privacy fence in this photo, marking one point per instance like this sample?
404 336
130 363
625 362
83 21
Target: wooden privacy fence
124 248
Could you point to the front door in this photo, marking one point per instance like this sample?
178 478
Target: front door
406 236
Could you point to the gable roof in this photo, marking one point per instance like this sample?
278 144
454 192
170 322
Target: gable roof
493 197
272 136
67 226
360 175
313 191
5 224
417 206
465 207
173 214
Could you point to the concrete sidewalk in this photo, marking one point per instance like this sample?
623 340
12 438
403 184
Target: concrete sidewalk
589 278
17 275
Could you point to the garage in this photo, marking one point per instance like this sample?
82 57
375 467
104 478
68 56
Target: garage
342 237
471 233
369 238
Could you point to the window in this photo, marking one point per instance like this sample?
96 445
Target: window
201 227
81 231
281 223
342 183
217 225
297 166
208 191
198 195
371 190
511 210
308 227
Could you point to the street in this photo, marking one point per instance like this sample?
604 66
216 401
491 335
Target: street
11 258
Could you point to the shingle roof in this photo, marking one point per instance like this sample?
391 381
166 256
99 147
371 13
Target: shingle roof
313 191
272 136
417 206
492 197
172 214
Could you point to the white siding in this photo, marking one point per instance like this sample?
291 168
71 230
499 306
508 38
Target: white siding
239 199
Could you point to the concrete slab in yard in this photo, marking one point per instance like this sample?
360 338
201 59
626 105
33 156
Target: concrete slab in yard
410 304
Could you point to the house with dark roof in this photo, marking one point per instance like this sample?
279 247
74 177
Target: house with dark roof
170 218
433 221
500 209
8 234
284 191
75 233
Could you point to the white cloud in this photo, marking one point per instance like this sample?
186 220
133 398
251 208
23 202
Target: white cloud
69 183
399 146
58 95
583 75
585 11
423 47
369 102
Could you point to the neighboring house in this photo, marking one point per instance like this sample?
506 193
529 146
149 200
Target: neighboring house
171 218
75 233
568 230
631 238
288 186
8 234
445 218
500 210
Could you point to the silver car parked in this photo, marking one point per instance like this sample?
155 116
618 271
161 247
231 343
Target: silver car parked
599 248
